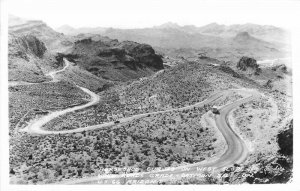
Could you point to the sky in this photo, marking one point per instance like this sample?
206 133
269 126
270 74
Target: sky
148 13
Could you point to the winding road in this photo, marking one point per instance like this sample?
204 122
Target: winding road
51 74
35 126
236 152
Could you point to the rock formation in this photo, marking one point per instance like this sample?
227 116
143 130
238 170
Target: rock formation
249 65
285 140
27 44
114 60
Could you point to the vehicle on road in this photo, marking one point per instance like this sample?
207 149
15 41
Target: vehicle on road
215 110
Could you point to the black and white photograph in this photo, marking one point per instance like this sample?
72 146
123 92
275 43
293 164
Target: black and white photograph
147 93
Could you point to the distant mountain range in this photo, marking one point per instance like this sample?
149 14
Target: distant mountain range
215 40
264 32
228 43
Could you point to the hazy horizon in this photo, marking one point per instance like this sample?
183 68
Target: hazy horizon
156 25
144 14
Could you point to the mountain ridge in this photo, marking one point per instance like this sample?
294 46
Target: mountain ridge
211 29
34 47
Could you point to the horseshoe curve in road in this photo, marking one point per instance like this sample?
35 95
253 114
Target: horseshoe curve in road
236 152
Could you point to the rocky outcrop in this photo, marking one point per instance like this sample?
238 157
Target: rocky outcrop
28 59
285 140
268 84
266 169
248 64
143 53
114 51
54 41
280 68
114 60
27 44
84 41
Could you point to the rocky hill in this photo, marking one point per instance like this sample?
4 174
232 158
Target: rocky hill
34 48
285 140
29 59
249 65
54 41
277 77
27 44
114 60
264 32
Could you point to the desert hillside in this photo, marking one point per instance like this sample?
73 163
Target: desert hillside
101 105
